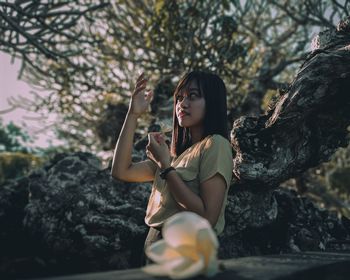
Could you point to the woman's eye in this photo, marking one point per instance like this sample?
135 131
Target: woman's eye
193 95
179 98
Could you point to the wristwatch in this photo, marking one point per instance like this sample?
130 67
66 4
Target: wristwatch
164 172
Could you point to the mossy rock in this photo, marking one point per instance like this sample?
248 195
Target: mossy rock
339 179
16 164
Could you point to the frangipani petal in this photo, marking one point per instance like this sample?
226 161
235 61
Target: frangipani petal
155 269
187 268
188 252
207 235
207 244
178 268
213 266
189 248
160 252
181 228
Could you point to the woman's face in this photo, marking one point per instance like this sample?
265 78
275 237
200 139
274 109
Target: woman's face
190 106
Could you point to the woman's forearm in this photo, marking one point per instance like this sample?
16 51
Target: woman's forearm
122 152
182 194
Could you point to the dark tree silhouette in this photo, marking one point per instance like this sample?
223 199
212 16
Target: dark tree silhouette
89 52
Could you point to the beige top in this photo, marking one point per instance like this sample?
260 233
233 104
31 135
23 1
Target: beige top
196 164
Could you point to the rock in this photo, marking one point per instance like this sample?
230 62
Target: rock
296 225
339 178
71 217
75 217
301 266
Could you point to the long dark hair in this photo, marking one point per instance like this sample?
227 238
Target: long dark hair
212 87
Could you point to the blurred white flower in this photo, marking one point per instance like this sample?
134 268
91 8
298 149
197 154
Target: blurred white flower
188 248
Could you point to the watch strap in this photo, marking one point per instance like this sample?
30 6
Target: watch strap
164 172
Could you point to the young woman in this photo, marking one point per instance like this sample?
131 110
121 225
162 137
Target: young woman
195 174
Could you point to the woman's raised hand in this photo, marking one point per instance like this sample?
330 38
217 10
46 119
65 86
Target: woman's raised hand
140 99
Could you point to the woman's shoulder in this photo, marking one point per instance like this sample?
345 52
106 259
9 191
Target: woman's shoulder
216 140
217 150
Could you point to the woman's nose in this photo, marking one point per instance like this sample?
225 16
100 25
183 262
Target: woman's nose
183 101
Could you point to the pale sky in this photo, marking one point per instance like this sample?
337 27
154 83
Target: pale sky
10 86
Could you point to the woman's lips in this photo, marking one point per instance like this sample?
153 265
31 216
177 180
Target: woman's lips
181 115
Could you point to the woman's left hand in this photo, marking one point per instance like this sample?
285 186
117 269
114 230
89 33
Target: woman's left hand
157 150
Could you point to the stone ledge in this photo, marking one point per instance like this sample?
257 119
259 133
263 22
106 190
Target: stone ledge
306 265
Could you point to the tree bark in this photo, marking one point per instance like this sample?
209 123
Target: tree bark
304 128
308 122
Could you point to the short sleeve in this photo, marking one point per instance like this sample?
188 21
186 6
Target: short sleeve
216 157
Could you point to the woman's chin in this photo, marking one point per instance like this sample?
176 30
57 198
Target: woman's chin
182 123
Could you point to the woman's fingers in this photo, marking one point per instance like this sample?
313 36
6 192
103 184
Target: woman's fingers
139 89
151 139
157 137
140 86
149 96
140 77
149 155
139 83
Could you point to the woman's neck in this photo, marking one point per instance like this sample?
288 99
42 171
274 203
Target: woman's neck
196 134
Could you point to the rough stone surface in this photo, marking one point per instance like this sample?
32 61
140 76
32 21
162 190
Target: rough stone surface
299 266
292 224
72 217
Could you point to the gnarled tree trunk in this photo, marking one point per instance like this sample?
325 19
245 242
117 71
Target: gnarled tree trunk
303 129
